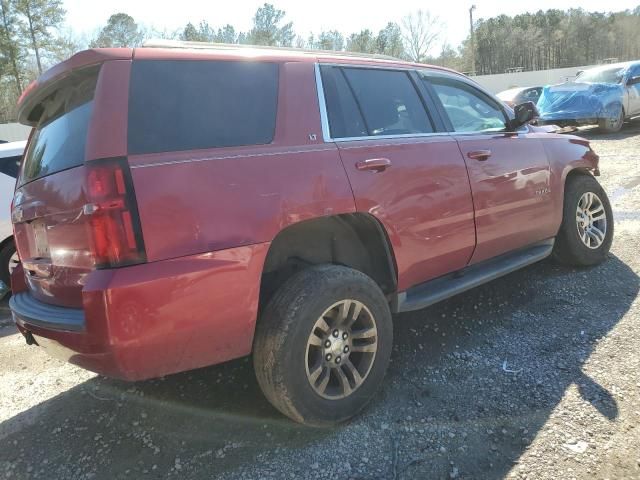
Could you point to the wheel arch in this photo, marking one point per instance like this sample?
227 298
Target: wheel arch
6 241
354 240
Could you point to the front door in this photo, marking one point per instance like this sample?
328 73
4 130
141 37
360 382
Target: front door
509 171
633 92
414 181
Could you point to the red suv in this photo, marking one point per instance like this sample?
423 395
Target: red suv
181 207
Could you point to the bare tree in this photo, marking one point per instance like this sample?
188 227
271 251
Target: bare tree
420 30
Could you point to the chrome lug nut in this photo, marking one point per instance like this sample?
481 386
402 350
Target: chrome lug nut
327 344
345 335
346 349
338 359
328 357
336 333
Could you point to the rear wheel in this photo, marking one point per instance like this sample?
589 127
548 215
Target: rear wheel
613 124
323 344
586 232
8 261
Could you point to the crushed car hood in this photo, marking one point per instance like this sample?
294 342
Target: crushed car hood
575 100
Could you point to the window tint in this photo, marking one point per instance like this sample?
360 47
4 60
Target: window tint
469 109
345 119
388 101
60 136
187 105
10 165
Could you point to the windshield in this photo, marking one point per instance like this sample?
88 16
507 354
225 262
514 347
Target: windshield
610 75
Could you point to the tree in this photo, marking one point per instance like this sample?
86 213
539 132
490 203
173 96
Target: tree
420 30
362 42
227 34
202 33
121 31
267 28
11 50
389 41
66 45
331 40
41 16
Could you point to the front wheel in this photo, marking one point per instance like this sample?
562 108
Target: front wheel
586 232
323 345
614 123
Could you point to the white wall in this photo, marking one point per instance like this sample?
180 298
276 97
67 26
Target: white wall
503 81
13 132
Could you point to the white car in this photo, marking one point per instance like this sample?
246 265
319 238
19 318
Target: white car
10 157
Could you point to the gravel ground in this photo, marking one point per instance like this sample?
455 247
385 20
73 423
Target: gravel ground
535 375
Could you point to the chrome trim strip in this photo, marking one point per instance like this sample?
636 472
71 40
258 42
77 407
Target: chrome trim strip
324 119
400 136
227 157
395 144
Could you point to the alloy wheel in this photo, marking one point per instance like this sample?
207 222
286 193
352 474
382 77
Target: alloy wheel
591 220
341 349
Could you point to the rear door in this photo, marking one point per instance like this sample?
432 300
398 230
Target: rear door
402 171
509 171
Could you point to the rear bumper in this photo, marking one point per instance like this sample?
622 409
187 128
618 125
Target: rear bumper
154 319
27 310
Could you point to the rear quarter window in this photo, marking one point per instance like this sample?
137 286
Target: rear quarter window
187 105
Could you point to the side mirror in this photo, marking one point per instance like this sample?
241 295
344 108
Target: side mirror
633 80
524 113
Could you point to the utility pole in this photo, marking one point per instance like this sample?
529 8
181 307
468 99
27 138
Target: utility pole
473 43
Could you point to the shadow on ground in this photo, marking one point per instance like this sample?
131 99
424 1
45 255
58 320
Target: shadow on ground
449 398
629 129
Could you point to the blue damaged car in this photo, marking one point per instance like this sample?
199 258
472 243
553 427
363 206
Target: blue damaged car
605 96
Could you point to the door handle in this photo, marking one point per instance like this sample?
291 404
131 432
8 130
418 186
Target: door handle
375 164
480 155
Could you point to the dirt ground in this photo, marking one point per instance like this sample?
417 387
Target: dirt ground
536 376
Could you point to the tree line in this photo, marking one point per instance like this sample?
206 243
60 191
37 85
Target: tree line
554 39
33 37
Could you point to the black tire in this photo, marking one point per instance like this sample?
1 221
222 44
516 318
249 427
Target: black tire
569 248
607 126
5 257
280 346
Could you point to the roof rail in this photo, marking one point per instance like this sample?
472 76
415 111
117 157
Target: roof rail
160 43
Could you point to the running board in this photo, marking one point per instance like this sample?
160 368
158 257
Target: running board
441 288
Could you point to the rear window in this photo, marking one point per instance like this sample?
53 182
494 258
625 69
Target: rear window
60 136
187 105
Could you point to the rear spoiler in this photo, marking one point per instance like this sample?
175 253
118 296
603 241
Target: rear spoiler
46 83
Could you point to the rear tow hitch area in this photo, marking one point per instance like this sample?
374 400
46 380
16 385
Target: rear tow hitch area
28 336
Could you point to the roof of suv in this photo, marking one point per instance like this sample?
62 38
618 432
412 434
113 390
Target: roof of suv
179 50
167 49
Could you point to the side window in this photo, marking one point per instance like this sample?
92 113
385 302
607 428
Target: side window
388 102
344 116
10 165
634 71
195 104
469 109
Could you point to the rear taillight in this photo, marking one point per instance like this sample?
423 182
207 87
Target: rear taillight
113 214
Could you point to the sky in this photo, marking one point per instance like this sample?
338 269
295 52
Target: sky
86 16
